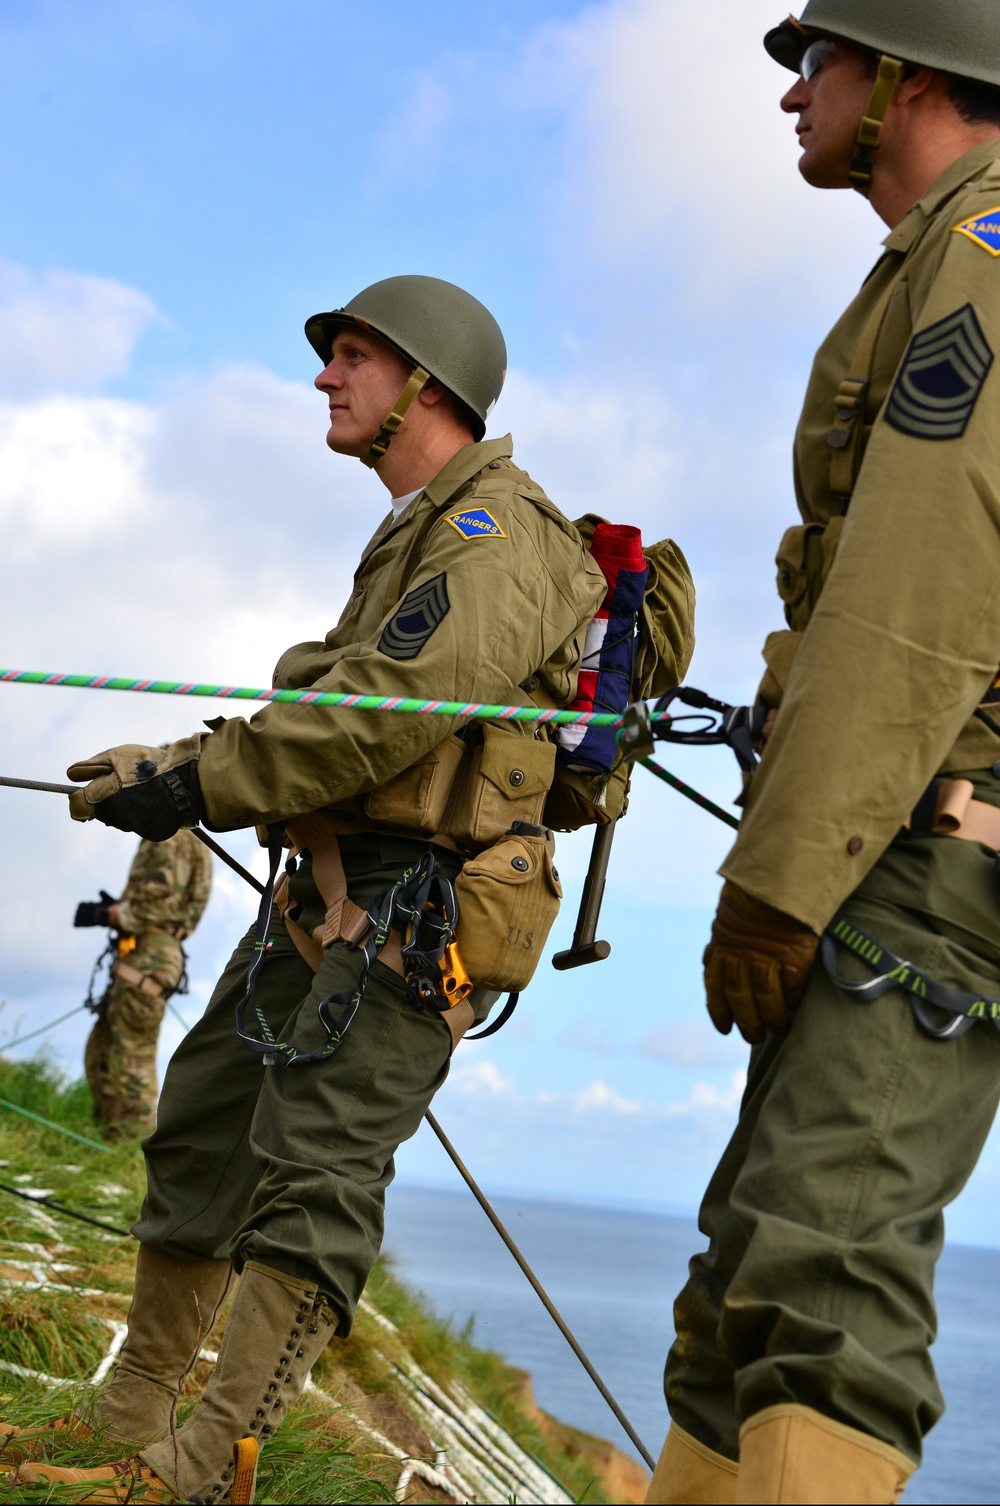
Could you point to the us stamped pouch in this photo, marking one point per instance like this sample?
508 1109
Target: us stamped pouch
508 898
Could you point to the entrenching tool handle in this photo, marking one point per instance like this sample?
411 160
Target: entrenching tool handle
585 948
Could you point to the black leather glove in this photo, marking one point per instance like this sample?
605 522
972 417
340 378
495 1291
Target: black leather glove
151 791
93 912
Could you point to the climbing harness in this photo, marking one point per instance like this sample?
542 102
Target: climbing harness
420 908
110 952
928 997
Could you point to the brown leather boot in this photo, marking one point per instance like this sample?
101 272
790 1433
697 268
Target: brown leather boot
688 1473
791 1453
18 1444
277 1329
133 1481
174 1305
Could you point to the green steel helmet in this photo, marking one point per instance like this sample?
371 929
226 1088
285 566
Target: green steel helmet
443 330
957 36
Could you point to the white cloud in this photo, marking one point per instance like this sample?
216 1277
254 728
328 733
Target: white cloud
705 1098
71 470
597 1095
477 1078
691 1044
629 434
676 148
66 332
482 1080
590 1141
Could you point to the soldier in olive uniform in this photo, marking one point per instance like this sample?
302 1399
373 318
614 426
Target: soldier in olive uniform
801 1369
473 586
168 888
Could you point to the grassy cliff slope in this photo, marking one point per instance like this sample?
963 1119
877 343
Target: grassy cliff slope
405 1409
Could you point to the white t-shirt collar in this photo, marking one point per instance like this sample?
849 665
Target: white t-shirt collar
400 504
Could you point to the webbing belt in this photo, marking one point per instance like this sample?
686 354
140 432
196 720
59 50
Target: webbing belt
146 982
926 993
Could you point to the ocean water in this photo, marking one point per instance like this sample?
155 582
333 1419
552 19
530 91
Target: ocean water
613 1275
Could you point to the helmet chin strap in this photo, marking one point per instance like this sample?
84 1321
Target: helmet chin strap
889 73
417 382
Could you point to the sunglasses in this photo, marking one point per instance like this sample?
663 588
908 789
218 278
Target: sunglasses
815 55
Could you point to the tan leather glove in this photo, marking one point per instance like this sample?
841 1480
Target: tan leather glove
757 965
151 791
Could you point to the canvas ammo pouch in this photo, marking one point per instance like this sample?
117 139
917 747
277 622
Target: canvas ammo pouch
417 799
508 898
504 778
804 557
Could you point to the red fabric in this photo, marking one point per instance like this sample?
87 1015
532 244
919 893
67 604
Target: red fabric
616 546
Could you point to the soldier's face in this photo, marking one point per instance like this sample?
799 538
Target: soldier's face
362 381
830 107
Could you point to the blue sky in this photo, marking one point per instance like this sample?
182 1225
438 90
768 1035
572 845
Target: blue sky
184 183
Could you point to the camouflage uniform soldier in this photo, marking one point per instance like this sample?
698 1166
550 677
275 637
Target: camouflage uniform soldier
474 587
168 888
801 1371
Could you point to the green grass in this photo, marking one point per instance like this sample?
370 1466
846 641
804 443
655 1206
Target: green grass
317 1455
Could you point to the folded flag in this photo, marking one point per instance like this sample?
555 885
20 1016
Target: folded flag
609 649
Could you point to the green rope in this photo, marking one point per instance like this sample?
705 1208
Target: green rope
60 1129
20 1039
685 789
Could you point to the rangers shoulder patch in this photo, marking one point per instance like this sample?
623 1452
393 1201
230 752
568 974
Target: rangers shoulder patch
476 523
419 615
943 372
984 229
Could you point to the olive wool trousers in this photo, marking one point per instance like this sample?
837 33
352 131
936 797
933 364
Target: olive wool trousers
288 1166
825 1214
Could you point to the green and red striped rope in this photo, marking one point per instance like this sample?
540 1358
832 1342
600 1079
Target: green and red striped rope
478 710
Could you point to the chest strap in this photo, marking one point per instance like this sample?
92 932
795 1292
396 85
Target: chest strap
844 438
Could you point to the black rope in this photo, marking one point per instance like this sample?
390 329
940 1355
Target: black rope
537 1287
49 1202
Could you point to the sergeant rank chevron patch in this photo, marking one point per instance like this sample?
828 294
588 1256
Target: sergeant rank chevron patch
943 372
419 614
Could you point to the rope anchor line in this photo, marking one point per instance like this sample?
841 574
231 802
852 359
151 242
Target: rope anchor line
475 710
